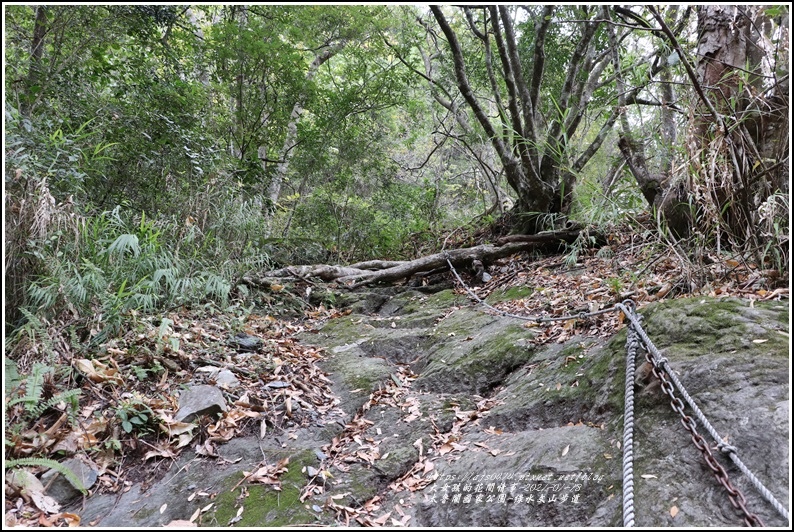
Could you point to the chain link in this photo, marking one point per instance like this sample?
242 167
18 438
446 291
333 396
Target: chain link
736 497
660 371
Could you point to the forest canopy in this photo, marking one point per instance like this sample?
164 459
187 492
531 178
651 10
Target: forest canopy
157 155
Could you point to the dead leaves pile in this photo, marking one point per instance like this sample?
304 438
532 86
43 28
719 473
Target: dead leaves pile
125 422
360 444
624 269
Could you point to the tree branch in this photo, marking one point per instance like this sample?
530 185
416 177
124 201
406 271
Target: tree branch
511 165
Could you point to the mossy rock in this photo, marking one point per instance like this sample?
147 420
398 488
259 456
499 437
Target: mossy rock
264 505
410 302
698 325
474 352
509 294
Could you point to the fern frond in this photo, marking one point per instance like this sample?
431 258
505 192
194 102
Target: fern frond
69 397
33 385
52 464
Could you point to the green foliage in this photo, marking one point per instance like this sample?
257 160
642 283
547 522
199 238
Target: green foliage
774 232
120 263
50 464
135 415
356 226
141 143
33 387
593 204
575 249
615 285
39 396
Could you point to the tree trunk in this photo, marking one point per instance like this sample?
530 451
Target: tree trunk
369 272
532 143
290 141
663 195
741 121
32 88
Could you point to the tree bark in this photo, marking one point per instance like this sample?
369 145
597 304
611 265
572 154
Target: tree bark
513 169
662 194
36 53
369 272
736 80
533 148
290 141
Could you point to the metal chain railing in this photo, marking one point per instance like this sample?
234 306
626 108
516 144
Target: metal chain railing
657 360
637 336
734 494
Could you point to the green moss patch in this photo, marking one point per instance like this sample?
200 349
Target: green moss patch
264 505
509 294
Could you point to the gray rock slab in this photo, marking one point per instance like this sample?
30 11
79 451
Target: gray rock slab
200 400
60 488
548 451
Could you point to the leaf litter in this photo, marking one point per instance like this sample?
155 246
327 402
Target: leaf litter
137 378
282 387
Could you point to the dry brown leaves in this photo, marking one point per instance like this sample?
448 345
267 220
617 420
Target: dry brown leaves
357 444
625 269
280 386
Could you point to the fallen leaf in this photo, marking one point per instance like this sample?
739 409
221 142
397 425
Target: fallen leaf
382 519
418 444
163 507
444 449
72 520
648 476
43 502
165 453
674 511
565 451
28 485
760 340
179 523
664 290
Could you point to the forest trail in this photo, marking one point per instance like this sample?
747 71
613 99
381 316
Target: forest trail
359 412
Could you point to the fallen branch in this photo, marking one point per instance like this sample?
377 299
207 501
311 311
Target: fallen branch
375 271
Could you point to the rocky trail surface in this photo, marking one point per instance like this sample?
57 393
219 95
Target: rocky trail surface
416 409
412 405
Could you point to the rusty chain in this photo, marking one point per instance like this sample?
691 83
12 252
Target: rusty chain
660 371
736 497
